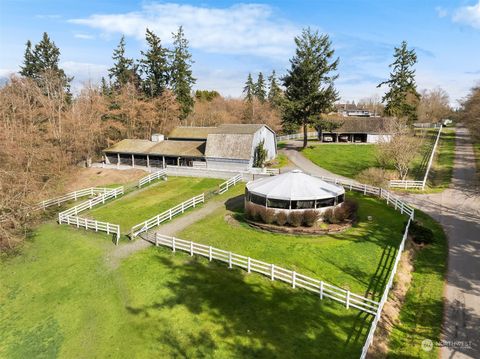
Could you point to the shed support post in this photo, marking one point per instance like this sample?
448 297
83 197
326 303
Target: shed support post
118 159
163 161
148 161
133 161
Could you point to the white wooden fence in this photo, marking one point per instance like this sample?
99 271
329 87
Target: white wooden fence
419 184
230 183
70 216
152 177
297 136
71 196
274 272
166 216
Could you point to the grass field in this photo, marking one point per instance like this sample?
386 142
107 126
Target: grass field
145 203
349 260
421 314
441 171
346 160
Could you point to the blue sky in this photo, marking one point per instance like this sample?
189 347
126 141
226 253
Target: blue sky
230 39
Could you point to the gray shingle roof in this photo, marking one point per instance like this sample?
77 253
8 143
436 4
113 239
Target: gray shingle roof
235 146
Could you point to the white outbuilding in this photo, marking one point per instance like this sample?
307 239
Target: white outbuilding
294 190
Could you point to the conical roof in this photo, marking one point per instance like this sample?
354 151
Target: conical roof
294 186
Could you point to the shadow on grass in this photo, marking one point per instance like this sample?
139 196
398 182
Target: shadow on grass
256 317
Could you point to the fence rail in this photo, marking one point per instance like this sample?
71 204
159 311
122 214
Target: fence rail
71 196
405 184
167 215
297 136
230 183
70 216
274 272
152 177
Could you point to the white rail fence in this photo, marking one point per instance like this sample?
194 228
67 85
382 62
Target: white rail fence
75 195
166 216
152 177
297 136
274 272
70 216
230 183
419 184
384 298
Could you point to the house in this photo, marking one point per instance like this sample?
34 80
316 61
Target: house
353 110
358 130
228 146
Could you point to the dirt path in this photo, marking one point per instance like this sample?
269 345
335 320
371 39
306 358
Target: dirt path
171 228
458 211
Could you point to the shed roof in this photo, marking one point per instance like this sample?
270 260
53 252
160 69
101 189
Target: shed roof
362 125
294 186
131 146
221 145
191 132
178 148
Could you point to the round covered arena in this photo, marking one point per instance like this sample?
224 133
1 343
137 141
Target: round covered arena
294 190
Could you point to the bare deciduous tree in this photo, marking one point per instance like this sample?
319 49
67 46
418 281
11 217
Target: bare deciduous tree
434 106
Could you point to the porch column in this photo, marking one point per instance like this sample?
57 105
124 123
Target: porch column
133 161
148 161
118 159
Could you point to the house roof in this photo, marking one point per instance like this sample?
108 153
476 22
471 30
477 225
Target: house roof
225 145
294 186
362 125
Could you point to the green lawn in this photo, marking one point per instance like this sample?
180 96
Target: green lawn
421 314
441 171
59 298
140 205
353 260
346 160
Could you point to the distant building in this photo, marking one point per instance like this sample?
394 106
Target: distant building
353 110
228 146
358 130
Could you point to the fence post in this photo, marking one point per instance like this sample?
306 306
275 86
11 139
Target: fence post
170 213
321 289
249 265
173 244
364 189
230 260
348 299
183 209
294 278
191 248
78 223
273 272
388 197
210 253
156 239
108 228
401 207
96 226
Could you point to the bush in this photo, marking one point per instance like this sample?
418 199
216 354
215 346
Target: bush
269 216
329 216
421 234
250 210
281 218
261 214
295 218
310 217
375 176
347 211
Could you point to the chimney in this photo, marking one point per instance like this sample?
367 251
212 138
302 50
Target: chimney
157 137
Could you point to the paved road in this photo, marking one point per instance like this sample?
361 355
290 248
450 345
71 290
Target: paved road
458 211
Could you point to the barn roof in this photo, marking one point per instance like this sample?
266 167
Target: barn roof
191 132
362 125
221 145
131 146
178 148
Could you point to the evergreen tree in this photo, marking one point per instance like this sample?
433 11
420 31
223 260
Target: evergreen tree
249 89
104 87
260 90
402 97
43 61
154 65
274 91
181 73
123 70
309 83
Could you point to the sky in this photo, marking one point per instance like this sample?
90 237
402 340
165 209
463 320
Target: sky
230 39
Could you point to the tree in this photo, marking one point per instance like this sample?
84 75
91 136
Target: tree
123 70
309 83
181 73
206 95
402 97
470 113
260 90
260 154
434 106
29 68
274 91
154 65
249 89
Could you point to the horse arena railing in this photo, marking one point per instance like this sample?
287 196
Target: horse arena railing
70 216
274 272
71 196
230 183
167 215
152 177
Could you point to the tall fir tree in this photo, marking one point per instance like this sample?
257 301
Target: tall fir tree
123 70
274 91
249 89
181 73
154 65
309 82
43 60
402 97
260 89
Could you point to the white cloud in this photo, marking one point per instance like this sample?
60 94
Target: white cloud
441 11
84 36
7 72
240 29
83 72
469 15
